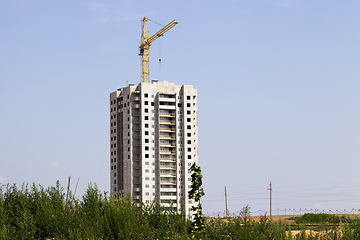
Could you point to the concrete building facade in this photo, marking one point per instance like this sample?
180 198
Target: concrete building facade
153 143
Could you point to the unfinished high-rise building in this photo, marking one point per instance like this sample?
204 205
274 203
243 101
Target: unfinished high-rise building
154 141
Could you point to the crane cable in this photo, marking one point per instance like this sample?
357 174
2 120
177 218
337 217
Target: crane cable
160 55
159 42
155 22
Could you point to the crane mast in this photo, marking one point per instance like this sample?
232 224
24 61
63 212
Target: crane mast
145 47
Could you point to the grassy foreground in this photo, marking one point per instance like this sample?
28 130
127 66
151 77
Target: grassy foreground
34 212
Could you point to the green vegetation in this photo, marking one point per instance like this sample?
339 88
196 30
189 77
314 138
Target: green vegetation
38 213
322 218
34 212
196 193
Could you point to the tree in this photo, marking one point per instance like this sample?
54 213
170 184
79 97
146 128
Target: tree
196 193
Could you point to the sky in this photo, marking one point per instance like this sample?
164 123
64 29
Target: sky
278 94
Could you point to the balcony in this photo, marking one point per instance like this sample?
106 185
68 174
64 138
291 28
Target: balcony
167 174
136 105
136 98
137 174
169 205
167 160
167 137
167 167
168 190
167 182
136 121
167 99
170 107
168 197
137 189
167 129
136 129
167 144
137 166
167 122
167 152
165 114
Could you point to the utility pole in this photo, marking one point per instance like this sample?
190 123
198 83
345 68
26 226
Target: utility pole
226 209
270 189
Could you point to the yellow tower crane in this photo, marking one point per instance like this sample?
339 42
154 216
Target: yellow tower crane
145 47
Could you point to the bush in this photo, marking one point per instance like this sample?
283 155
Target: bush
37 213
322 218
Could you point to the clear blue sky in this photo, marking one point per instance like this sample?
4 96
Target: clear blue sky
278 84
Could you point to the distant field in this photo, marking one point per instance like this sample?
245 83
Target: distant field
285 218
